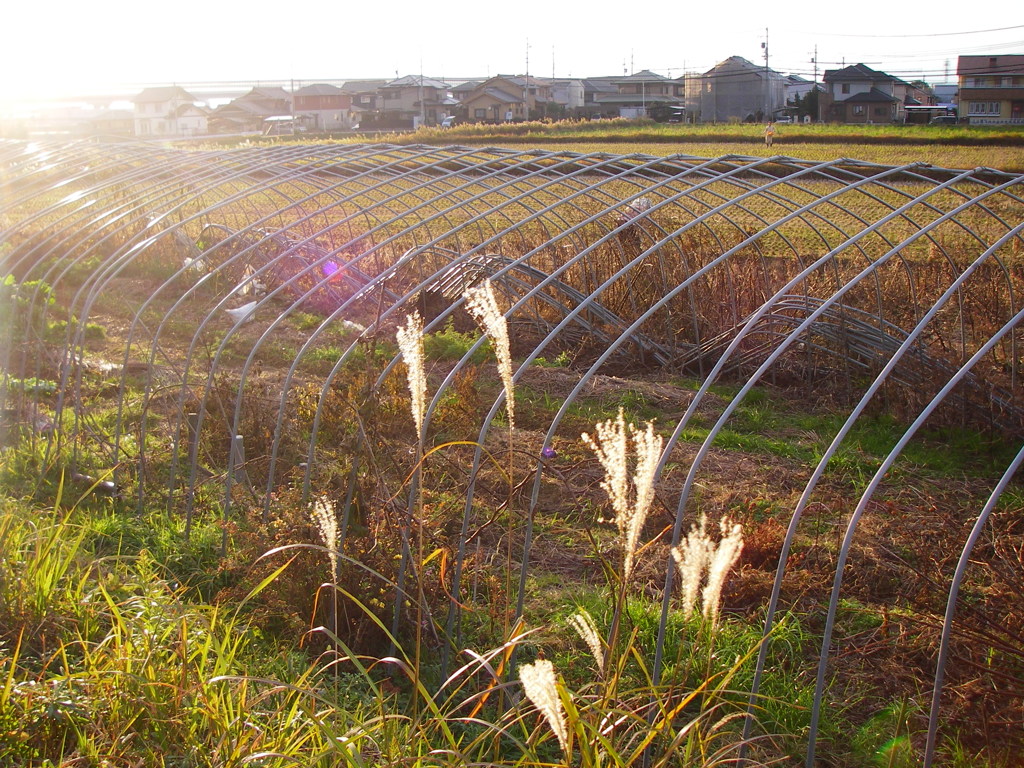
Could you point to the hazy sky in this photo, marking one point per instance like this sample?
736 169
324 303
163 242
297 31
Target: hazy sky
66 46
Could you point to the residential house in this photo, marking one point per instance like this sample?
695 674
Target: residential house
798 90
920 103
946 93
508 98
415 100
737 90
463 88
365 100
859 94
111 122
323 107
991 89
253 112
567 98
167 111
595 90
635 94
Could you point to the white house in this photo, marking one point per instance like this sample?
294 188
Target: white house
168 111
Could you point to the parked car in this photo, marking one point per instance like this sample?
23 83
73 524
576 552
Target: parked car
944 120
784 119
448 122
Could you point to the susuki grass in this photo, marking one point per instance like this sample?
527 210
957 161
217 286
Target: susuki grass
699 555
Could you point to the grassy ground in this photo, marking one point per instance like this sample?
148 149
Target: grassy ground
125 642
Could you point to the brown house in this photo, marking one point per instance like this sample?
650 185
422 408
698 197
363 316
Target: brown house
991 89
251 112
507 98
323 107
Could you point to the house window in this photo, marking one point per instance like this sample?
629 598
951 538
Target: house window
983 108
479 113
881 111
846 88
858 109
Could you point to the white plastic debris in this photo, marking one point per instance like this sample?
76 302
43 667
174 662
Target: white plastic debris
243 313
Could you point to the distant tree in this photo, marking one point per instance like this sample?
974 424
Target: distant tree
809 104
659 112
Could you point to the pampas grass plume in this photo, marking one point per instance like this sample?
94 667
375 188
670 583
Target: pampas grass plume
631 502
326 521
585 627
540 687
721 562
698 555
690 559
410 342
483 305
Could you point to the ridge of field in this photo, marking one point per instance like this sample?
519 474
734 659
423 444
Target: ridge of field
999 147
645 131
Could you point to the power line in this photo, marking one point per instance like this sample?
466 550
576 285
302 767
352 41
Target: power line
931 34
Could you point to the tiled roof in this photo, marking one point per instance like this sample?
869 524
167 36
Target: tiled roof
855 72
163 93
499 95
273 93
1000 64
873 96
645 75
737 61
600 85
318 89
185 109
362 86
414 81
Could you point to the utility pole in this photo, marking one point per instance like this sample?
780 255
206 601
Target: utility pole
526 88
423 107
817 93
767 87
